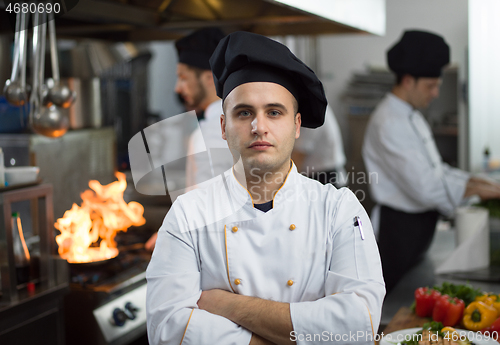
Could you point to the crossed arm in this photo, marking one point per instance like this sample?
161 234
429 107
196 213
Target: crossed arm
269 321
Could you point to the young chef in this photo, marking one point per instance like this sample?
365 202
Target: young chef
290 258
413 184
195 86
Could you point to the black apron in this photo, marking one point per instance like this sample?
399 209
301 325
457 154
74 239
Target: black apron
403 240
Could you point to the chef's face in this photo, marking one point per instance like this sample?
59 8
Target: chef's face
260 123
423 91
190 86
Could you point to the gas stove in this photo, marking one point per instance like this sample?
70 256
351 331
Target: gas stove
107 300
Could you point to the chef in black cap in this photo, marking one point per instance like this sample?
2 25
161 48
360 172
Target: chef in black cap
194 79
195 87
264 254
413 186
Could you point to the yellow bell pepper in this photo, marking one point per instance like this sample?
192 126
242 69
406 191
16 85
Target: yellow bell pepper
479 315
490 299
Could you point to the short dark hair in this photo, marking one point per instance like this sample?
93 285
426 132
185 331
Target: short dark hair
198 71
295 106
400 76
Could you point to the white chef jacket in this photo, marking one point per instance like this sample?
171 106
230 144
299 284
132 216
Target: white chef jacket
323 147
406 170
213 236
216 159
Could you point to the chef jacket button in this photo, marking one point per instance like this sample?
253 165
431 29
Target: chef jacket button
237 281
234 229
290 282
292 227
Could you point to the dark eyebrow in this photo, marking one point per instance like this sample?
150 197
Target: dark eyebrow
248 106
276 105
242 106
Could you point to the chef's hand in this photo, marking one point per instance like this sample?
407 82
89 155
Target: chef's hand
219 302
485 189
150 244
216 301
263 318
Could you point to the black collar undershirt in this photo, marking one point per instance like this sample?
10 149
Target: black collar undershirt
265 206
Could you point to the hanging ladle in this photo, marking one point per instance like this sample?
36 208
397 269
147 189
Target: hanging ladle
59 94
15 87
34 100
50 122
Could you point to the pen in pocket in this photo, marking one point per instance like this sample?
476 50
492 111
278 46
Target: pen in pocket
357 222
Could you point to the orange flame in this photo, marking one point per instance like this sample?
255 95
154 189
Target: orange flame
102 214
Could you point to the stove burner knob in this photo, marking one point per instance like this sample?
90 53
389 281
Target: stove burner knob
119 317
131 310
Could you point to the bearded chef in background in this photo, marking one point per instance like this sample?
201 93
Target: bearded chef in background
195 87
413 184
264 255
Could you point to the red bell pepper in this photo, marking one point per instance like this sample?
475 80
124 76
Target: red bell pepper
425 299
493 331
448 310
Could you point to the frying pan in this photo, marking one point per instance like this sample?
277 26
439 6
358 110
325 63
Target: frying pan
95 264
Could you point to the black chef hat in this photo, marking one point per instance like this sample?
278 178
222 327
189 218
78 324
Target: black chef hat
196 48
420 54
244 57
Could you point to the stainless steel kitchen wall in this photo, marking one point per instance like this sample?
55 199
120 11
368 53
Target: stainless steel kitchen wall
5 58
68 163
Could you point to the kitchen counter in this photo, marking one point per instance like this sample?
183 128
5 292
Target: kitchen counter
423 275
23 321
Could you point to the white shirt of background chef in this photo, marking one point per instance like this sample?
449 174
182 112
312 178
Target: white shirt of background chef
203 167
323 147
410 175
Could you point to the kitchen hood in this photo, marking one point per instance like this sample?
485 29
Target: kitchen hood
145 20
